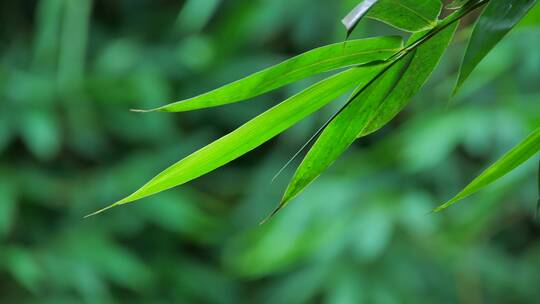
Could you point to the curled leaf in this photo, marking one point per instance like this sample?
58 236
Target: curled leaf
353 17
407 15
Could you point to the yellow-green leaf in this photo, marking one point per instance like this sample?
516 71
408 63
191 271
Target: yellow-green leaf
256 131
372 109
319 60
518 155
407 15
425 60
342 130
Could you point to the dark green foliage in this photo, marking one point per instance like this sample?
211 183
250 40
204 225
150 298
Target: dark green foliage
359 234
498 18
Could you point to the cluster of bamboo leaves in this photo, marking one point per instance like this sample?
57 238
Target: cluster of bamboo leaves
383 73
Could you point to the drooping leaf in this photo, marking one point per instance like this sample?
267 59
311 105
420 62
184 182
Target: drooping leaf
314 62
342 130
353 17
425 60
399 92
515 157
256 131
407 15
498 18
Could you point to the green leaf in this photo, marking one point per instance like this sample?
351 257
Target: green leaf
425 60
532 19
457 4
398 92
323 59
353 17
342 130
519 154
407 15
538 200
256 131
498 18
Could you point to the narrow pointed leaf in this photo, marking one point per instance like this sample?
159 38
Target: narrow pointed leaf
498 18
518 155
351 20
256 131
407 15
402 82
319 60
342 130
425 60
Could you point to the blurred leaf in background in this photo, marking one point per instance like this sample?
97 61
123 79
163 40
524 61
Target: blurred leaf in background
70 70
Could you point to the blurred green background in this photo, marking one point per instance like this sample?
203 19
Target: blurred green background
71 69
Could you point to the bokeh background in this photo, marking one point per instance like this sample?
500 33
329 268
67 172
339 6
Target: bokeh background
71 69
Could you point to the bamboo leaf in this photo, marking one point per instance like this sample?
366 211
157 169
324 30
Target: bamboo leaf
397 91
425 60
323 59
342 130
457 4
407 15
518 155
256 131
498 18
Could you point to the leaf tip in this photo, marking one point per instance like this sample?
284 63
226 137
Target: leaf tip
143 110
99 211
436 210
457 87
271 215
444 206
